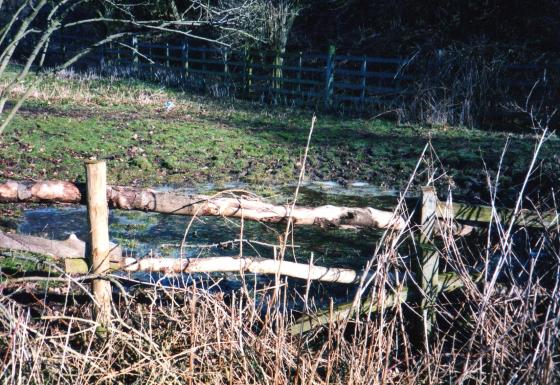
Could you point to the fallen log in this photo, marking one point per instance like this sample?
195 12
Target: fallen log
71 248
241 264
130 198
446 282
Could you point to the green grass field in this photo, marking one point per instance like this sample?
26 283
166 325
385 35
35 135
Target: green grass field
71 118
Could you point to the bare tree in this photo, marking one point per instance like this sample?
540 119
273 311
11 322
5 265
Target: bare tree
33 24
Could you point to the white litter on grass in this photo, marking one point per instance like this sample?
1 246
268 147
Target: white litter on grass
169 105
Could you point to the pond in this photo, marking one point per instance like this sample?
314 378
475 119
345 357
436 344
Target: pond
142 234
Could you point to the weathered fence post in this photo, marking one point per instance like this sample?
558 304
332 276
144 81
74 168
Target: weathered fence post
135 50
185 57
329 77
363 73
428 260
99 247
167 54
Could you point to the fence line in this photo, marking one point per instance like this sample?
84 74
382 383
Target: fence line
328 80
101 257
303 78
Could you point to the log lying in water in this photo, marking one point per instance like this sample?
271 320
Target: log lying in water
71 248
241 264
72 251
129 198
446 282
251 209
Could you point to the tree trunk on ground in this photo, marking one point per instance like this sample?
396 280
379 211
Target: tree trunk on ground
69 248
73 251
129 198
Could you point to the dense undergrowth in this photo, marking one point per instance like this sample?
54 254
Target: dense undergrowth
499 326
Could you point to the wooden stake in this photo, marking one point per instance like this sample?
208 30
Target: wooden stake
98 219
428 268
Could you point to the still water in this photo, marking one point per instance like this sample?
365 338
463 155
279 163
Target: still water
158 234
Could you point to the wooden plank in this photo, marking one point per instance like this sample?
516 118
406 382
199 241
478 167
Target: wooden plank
483 214
371 59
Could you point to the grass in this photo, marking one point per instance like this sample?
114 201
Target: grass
503 329
73 117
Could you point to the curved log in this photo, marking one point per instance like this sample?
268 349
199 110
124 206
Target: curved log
240 264
127 198
130 198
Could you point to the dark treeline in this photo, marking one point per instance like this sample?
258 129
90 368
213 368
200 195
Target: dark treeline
402 26
473 63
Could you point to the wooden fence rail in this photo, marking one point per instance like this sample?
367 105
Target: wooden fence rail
100 257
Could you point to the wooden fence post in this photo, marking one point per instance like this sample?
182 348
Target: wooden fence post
363 73
329 77
167 54
428 261
135 50
99 246
185 57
